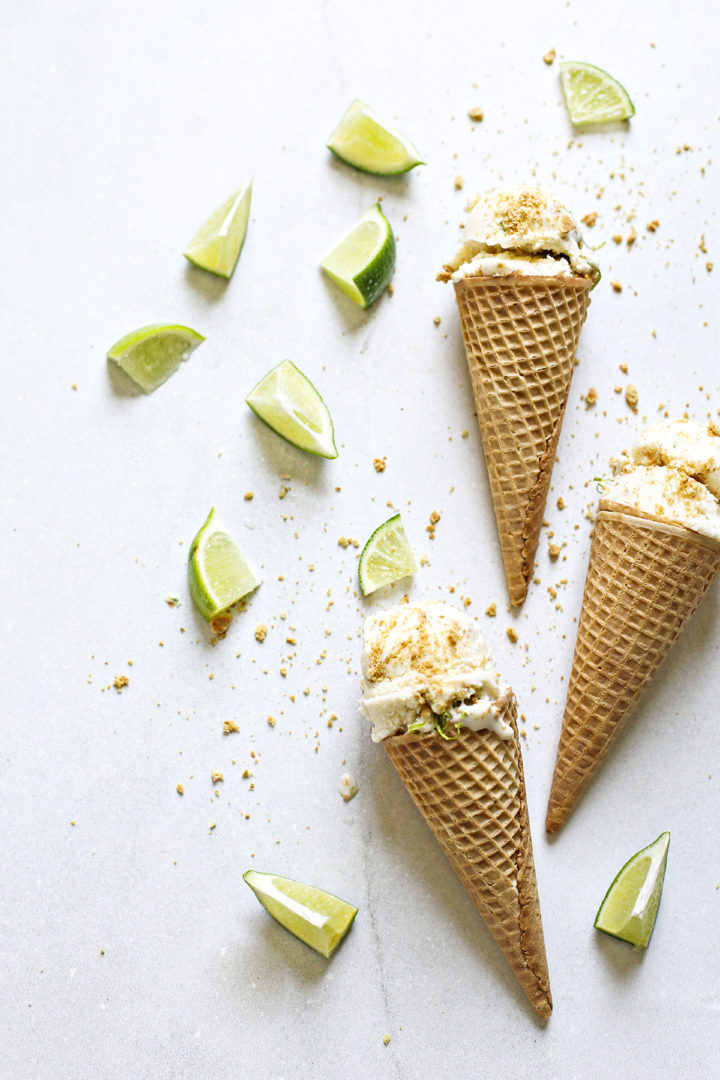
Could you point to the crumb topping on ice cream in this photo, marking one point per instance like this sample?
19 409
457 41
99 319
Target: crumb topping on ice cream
427 669
673 474
520 230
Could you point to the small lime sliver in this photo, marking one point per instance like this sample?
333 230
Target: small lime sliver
217 244
151 354
631 903
592 96
317 918
363 262
386 557
364 141
289 404
218 574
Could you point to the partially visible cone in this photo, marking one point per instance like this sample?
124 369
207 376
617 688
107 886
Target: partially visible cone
521 335
471 792
644 581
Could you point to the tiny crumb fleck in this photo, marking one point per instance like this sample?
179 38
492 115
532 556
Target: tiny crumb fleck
390 288
120 682
475 114
617 287
347 541
213 825
459 182
172 601
284 489
653 225
624 368
553 550
549 57
708 267
617 238
229 726
491 610
591 397
512 634
464 433
590 219
437 320
180 789
631 396
74 386
560 503
379 464
631 238
217 777
248 496
430 529
271 721
386 1040
347 787
260 632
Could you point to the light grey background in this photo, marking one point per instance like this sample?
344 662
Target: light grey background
130 946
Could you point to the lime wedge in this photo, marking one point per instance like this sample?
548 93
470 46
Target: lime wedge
592 96
218 574
151 354
317 918
362 140
631 903
289 403
216 246
386 557
363 261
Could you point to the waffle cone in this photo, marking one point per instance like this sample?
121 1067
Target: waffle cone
520 336
471 792
644 581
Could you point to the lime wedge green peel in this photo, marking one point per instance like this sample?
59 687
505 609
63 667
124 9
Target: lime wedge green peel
216 246
386 557
363 261
218 574
592 96
151 354
631 903
289 404
362 140
317 918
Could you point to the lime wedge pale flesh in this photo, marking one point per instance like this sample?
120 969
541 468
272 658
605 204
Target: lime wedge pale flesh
386 557
289 404
317 918
217 244
218 573
364 141
363 262
150 354
592 96
631 903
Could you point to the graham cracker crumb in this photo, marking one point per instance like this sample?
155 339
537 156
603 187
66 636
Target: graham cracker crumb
590 219
708 266
249 495
653 225
284 489
475 114
216 777
379 464
430 529
631 396
346 542
437 320
180 789
617 238
512 634
120 682
491 610
271 721
219 624
591 397
624 368
560 503
553 550
616 284
390 288
229 726
631 238
549 57
260 632
459 181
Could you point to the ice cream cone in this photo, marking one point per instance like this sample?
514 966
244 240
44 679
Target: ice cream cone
521 334
645 579
471 792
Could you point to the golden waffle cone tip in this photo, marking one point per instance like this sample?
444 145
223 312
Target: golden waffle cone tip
521 336
645 580
471 792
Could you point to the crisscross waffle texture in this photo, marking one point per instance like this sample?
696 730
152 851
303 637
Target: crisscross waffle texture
471 792
645 579
521 335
